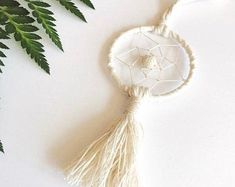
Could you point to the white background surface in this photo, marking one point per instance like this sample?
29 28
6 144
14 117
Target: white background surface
47 120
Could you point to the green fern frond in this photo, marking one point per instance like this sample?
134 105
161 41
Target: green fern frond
1 62
2 55
1 147
9 3
88 3
20 24
3 35
3 46
15 19
44 17
72 8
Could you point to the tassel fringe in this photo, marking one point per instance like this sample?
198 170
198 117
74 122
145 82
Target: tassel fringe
110 160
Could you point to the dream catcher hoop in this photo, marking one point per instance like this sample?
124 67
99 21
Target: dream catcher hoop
155 58
145 61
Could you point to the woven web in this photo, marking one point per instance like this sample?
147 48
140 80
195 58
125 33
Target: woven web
170 71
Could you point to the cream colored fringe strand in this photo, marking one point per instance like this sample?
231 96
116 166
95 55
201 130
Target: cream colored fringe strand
110 160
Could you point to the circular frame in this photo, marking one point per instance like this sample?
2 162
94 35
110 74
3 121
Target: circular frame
163 31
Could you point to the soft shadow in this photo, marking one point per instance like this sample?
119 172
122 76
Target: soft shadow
72 143
162 6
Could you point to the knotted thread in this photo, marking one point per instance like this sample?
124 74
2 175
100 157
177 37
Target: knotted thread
110 160
167 14
136 95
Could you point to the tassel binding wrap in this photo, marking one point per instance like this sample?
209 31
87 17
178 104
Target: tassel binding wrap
110 160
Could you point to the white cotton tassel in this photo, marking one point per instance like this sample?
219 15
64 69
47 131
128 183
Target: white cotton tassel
110 160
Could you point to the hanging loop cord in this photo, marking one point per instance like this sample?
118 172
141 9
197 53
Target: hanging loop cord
167 14
110 160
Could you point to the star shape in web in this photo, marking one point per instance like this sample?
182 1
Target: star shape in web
133 57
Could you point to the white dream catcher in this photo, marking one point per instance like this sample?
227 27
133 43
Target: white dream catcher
145 61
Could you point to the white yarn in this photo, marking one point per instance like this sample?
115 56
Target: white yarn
167 14
149 61
110 160
164 31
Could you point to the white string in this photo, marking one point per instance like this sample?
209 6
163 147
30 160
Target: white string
110 160
145 71
167 14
